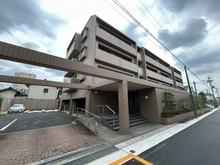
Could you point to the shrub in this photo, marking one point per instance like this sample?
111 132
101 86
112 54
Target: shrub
167 113
169 97
172 113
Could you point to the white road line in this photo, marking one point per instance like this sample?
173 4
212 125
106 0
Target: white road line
8 125
155 150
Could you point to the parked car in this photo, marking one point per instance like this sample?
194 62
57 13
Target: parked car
210 106
16 108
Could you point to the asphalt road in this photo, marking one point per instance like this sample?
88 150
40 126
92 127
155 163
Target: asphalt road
30 121
197 145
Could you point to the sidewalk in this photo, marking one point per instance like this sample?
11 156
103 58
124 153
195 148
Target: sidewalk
146 141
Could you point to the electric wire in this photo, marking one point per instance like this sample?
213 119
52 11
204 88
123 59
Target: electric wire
187 48
146 30
128 13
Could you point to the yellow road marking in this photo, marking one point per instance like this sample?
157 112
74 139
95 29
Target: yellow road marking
129 156
26 111
3 113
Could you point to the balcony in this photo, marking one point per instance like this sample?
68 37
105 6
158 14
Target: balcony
157 64
116 41
180 85
178 76
112 60
82 54
74 47
159 77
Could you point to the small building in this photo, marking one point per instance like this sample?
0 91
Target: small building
9 93
22 87
42 92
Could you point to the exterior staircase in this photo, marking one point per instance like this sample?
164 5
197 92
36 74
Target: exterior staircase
113 123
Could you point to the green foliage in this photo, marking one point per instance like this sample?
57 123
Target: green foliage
172 113
184 105
170 100
204 99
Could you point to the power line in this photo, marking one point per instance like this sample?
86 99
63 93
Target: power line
146 30
200 38
138 29
179 38
160 27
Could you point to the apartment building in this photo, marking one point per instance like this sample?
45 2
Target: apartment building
101 45
22 87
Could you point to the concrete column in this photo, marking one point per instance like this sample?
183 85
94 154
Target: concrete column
71 105
173 76
144 62
87 101
123 107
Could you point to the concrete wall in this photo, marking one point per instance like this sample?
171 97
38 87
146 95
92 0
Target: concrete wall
103 98
6 103
182 117
148 107
37 92
36 103
152 107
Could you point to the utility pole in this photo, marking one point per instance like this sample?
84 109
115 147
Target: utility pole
209 80
191 96
195 87
217 94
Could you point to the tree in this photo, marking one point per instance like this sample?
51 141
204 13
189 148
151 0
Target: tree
169 97
204 99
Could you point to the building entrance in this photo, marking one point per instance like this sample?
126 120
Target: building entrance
134 103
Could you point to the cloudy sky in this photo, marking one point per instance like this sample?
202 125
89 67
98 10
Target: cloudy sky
189 29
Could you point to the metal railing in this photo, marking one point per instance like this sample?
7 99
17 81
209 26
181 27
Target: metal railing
104 114
85 113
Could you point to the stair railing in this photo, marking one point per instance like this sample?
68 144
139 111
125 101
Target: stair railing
104 107
79 114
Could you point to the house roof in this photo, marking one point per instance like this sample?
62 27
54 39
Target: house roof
12 89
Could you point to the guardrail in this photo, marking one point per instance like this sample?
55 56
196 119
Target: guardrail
105 114
87 113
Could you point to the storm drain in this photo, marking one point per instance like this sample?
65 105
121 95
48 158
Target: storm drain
81 156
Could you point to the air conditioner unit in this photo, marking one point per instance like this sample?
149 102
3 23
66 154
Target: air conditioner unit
81 77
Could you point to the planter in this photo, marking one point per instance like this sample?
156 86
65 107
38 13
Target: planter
182 117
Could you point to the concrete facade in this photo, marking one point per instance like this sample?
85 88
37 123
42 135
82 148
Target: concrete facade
42 92
102 46
9 93
125 66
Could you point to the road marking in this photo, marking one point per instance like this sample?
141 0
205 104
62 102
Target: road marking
155 150
128 157
73 122
8 125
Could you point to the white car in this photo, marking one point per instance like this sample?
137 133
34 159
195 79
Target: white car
16 108
210 106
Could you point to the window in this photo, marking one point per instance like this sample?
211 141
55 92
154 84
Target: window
84 35
82 54
46 90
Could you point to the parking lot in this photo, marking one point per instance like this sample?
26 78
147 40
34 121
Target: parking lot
26 138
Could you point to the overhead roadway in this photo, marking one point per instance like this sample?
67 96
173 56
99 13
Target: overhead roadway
28 81
28 56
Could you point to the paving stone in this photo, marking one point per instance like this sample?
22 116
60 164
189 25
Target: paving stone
35 145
